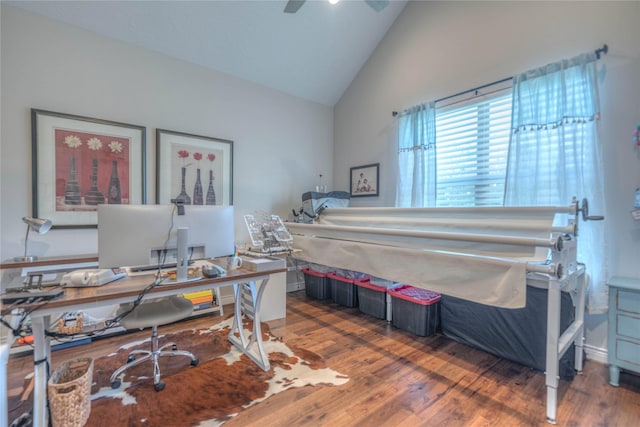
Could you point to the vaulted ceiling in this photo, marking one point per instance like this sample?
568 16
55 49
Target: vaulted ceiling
313 54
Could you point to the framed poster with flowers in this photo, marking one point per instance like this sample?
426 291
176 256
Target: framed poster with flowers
193 169
81 162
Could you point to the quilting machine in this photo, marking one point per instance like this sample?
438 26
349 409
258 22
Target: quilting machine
487 255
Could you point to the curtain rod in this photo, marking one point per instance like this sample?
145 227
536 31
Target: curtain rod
603 50
395 113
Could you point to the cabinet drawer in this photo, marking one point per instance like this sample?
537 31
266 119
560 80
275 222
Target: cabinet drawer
629 352
628 326
629 301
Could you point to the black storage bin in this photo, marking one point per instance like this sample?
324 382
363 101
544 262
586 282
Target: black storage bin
316 284
415 310
372 299
343 291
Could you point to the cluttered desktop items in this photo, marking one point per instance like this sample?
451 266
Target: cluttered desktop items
86 278
268 234
143 238
32 287
153 236
213 270
91 277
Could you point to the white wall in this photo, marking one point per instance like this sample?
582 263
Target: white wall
436 49
281 143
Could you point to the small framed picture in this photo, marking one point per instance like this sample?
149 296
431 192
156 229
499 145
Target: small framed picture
364 180
81 162
193 169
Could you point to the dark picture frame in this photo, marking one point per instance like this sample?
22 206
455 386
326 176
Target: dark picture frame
364 180
193 169
79 162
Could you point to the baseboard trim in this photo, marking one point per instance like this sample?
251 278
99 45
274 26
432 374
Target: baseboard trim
596 354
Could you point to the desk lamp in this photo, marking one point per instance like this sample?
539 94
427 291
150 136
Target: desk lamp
37 224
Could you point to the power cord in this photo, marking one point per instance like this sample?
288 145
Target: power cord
19 330
157 281
110 323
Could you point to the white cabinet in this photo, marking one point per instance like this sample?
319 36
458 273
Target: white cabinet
274 299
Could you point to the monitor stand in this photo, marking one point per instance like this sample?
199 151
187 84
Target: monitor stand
182 254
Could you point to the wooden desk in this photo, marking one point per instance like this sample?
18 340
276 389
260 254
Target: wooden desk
247 297
49 261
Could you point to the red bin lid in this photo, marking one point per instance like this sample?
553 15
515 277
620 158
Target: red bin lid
336 276
366 283
413 294
313 272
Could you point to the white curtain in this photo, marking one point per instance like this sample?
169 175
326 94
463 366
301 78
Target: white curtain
416 179
554 153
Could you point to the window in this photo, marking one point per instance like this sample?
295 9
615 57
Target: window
472 140
453 153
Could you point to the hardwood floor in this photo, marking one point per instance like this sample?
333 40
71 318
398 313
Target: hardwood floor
399 379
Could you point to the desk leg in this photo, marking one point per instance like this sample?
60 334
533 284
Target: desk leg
237 335
553 337
41 359
5 349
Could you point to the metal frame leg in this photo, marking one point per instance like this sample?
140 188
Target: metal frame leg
241 341
552 362
558 344
579 317
41 360
5 348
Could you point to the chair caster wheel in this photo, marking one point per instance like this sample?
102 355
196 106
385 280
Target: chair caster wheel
131 358
115 384
195 362
159 386
174 347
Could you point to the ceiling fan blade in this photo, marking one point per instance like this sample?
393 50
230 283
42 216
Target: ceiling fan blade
377 5
293 6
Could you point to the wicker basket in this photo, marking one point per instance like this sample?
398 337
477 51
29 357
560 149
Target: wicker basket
70 393
73 328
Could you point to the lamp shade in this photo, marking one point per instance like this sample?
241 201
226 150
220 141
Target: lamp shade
39 225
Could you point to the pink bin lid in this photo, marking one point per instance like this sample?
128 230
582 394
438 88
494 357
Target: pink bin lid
413 294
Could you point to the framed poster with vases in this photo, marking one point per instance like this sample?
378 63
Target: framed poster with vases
193 169
364 180
80 162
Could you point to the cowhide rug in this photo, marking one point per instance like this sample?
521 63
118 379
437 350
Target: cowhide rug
221 386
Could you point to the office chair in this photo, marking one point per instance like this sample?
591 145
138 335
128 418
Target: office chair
153 313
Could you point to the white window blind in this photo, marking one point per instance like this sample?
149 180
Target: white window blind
472 139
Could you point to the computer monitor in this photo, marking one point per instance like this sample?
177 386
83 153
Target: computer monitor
146 235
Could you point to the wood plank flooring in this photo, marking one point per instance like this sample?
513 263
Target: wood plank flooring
399 379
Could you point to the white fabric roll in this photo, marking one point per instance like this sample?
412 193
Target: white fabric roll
479 254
